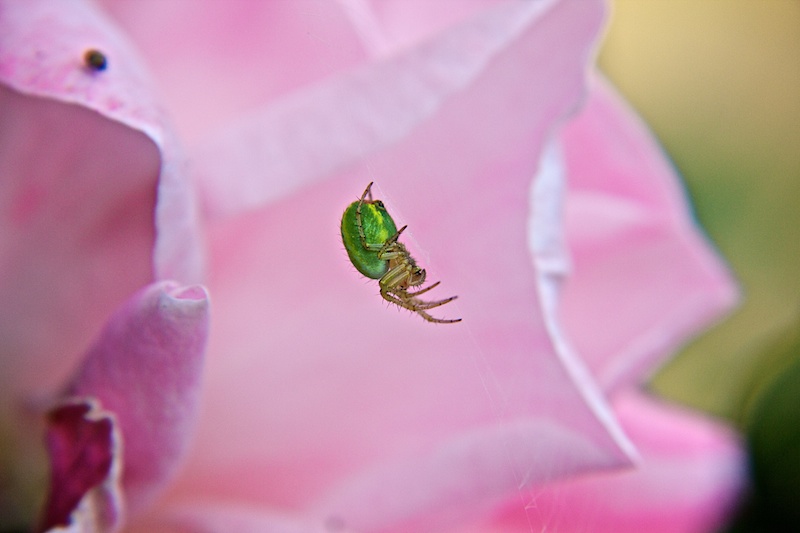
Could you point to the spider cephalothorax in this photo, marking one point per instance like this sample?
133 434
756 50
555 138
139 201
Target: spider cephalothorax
371 239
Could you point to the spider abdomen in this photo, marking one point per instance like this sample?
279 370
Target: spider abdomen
378 227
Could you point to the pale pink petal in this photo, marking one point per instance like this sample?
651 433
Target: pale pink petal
690 477
86 195
645 278
447 82
145 368
85 463
335 400
243 54
76 232
387 26
463 91
218 62
42 47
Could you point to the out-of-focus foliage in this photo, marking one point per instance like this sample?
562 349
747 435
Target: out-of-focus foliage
771 421
718 81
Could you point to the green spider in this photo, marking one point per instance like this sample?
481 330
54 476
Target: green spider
371 239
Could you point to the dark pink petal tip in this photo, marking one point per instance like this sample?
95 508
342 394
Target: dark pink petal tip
146 367
84 461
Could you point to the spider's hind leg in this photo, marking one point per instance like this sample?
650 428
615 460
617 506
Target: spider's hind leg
429 318
407 301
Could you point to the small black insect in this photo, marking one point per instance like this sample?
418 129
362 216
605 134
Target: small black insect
95 60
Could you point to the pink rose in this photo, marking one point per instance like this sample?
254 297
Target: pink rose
530 191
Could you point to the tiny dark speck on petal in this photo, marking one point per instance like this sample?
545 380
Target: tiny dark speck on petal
95 60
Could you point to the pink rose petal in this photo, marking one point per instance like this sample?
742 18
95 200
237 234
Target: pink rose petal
84 447
437 100
42 47
76 232
235 54
388 26
217 517
690 476
146 369
645 278
91 208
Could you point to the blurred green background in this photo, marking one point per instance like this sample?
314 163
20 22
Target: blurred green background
718 81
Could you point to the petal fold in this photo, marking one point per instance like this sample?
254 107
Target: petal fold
634 245
77 205
145 368
237 55
691 475
326 127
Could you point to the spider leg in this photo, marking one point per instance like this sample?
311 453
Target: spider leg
423 291
361 235
429 318
359 225
396 236
395 277
430 305
387 253
418 306
404 295
391 249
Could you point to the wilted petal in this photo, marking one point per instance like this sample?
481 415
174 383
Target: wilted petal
335 400
146 368
85 464
645 278
690 476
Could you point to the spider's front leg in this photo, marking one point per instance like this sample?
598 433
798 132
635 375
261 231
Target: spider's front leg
377 217
391 248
